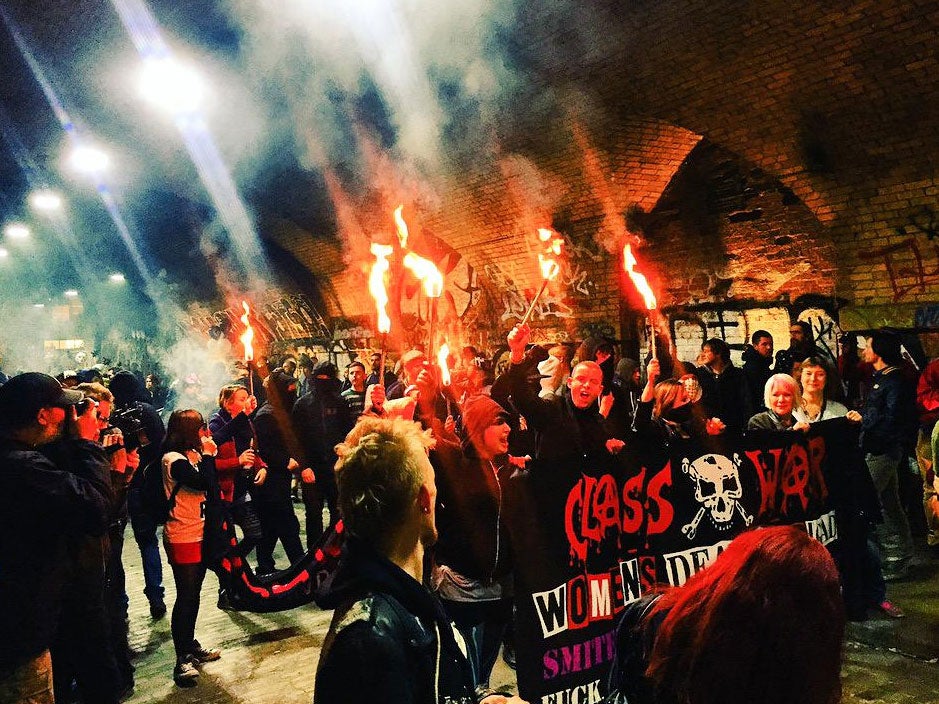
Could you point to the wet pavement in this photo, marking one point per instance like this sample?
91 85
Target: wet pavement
271 658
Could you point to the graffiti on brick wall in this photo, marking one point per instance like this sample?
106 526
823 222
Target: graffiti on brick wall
577 280
825 330
600 329
912 264
513 304
291 317
735 326
927 316
576 284
285 317
550 336
350 331
909 269
689 331
924 221
579 268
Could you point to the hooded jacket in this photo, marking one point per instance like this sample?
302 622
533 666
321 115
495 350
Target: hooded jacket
277 441
130 393
322 419
626 394
389 639
726 396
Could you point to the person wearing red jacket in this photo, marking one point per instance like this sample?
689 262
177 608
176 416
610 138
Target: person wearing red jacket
927 404
237 464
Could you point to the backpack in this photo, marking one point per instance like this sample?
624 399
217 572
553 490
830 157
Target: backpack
153 499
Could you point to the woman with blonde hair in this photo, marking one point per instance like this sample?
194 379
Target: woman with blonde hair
667 409
781 396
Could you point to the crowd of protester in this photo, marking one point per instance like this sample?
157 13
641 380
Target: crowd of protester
416 468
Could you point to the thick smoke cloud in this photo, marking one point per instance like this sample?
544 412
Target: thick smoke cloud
416 76
381 101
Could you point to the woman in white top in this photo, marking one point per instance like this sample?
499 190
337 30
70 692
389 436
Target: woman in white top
864 586
188 473
815 406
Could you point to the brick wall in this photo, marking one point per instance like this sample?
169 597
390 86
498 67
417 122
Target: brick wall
769 161
833 100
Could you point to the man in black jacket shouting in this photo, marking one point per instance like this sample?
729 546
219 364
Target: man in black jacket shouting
569 429
42 504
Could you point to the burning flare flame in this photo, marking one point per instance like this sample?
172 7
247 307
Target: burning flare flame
376 284
247 337
548 258
426 272
402 227
422 268
639 279
442 359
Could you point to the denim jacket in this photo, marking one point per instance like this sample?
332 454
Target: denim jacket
889 414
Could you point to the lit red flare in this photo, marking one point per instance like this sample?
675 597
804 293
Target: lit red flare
547 258
423 269
376 284
443 359
426 273
247 337
402 227
638 279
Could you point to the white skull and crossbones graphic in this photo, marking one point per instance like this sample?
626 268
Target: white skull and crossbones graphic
717 489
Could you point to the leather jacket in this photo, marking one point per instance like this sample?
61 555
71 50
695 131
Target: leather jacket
389 639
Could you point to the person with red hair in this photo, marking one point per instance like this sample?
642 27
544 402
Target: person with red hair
764 623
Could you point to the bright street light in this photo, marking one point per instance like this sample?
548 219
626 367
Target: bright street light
45 200
16 231
89 160
71 293
39 305
116 278
3 253
171 85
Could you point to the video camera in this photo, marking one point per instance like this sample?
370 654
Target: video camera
130 422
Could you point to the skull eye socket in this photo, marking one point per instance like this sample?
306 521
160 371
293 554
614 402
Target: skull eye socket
708 488
731 484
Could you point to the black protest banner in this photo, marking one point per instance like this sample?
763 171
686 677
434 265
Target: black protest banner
596 540
286 589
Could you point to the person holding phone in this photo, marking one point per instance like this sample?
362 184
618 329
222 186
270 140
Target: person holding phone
189 481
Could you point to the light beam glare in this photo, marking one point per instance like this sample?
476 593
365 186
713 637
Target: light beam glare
145 34
78 142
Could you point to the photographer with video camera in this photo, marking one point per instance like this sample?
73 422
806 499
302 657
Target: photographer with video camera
123 450
83 651
54 487
141 427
